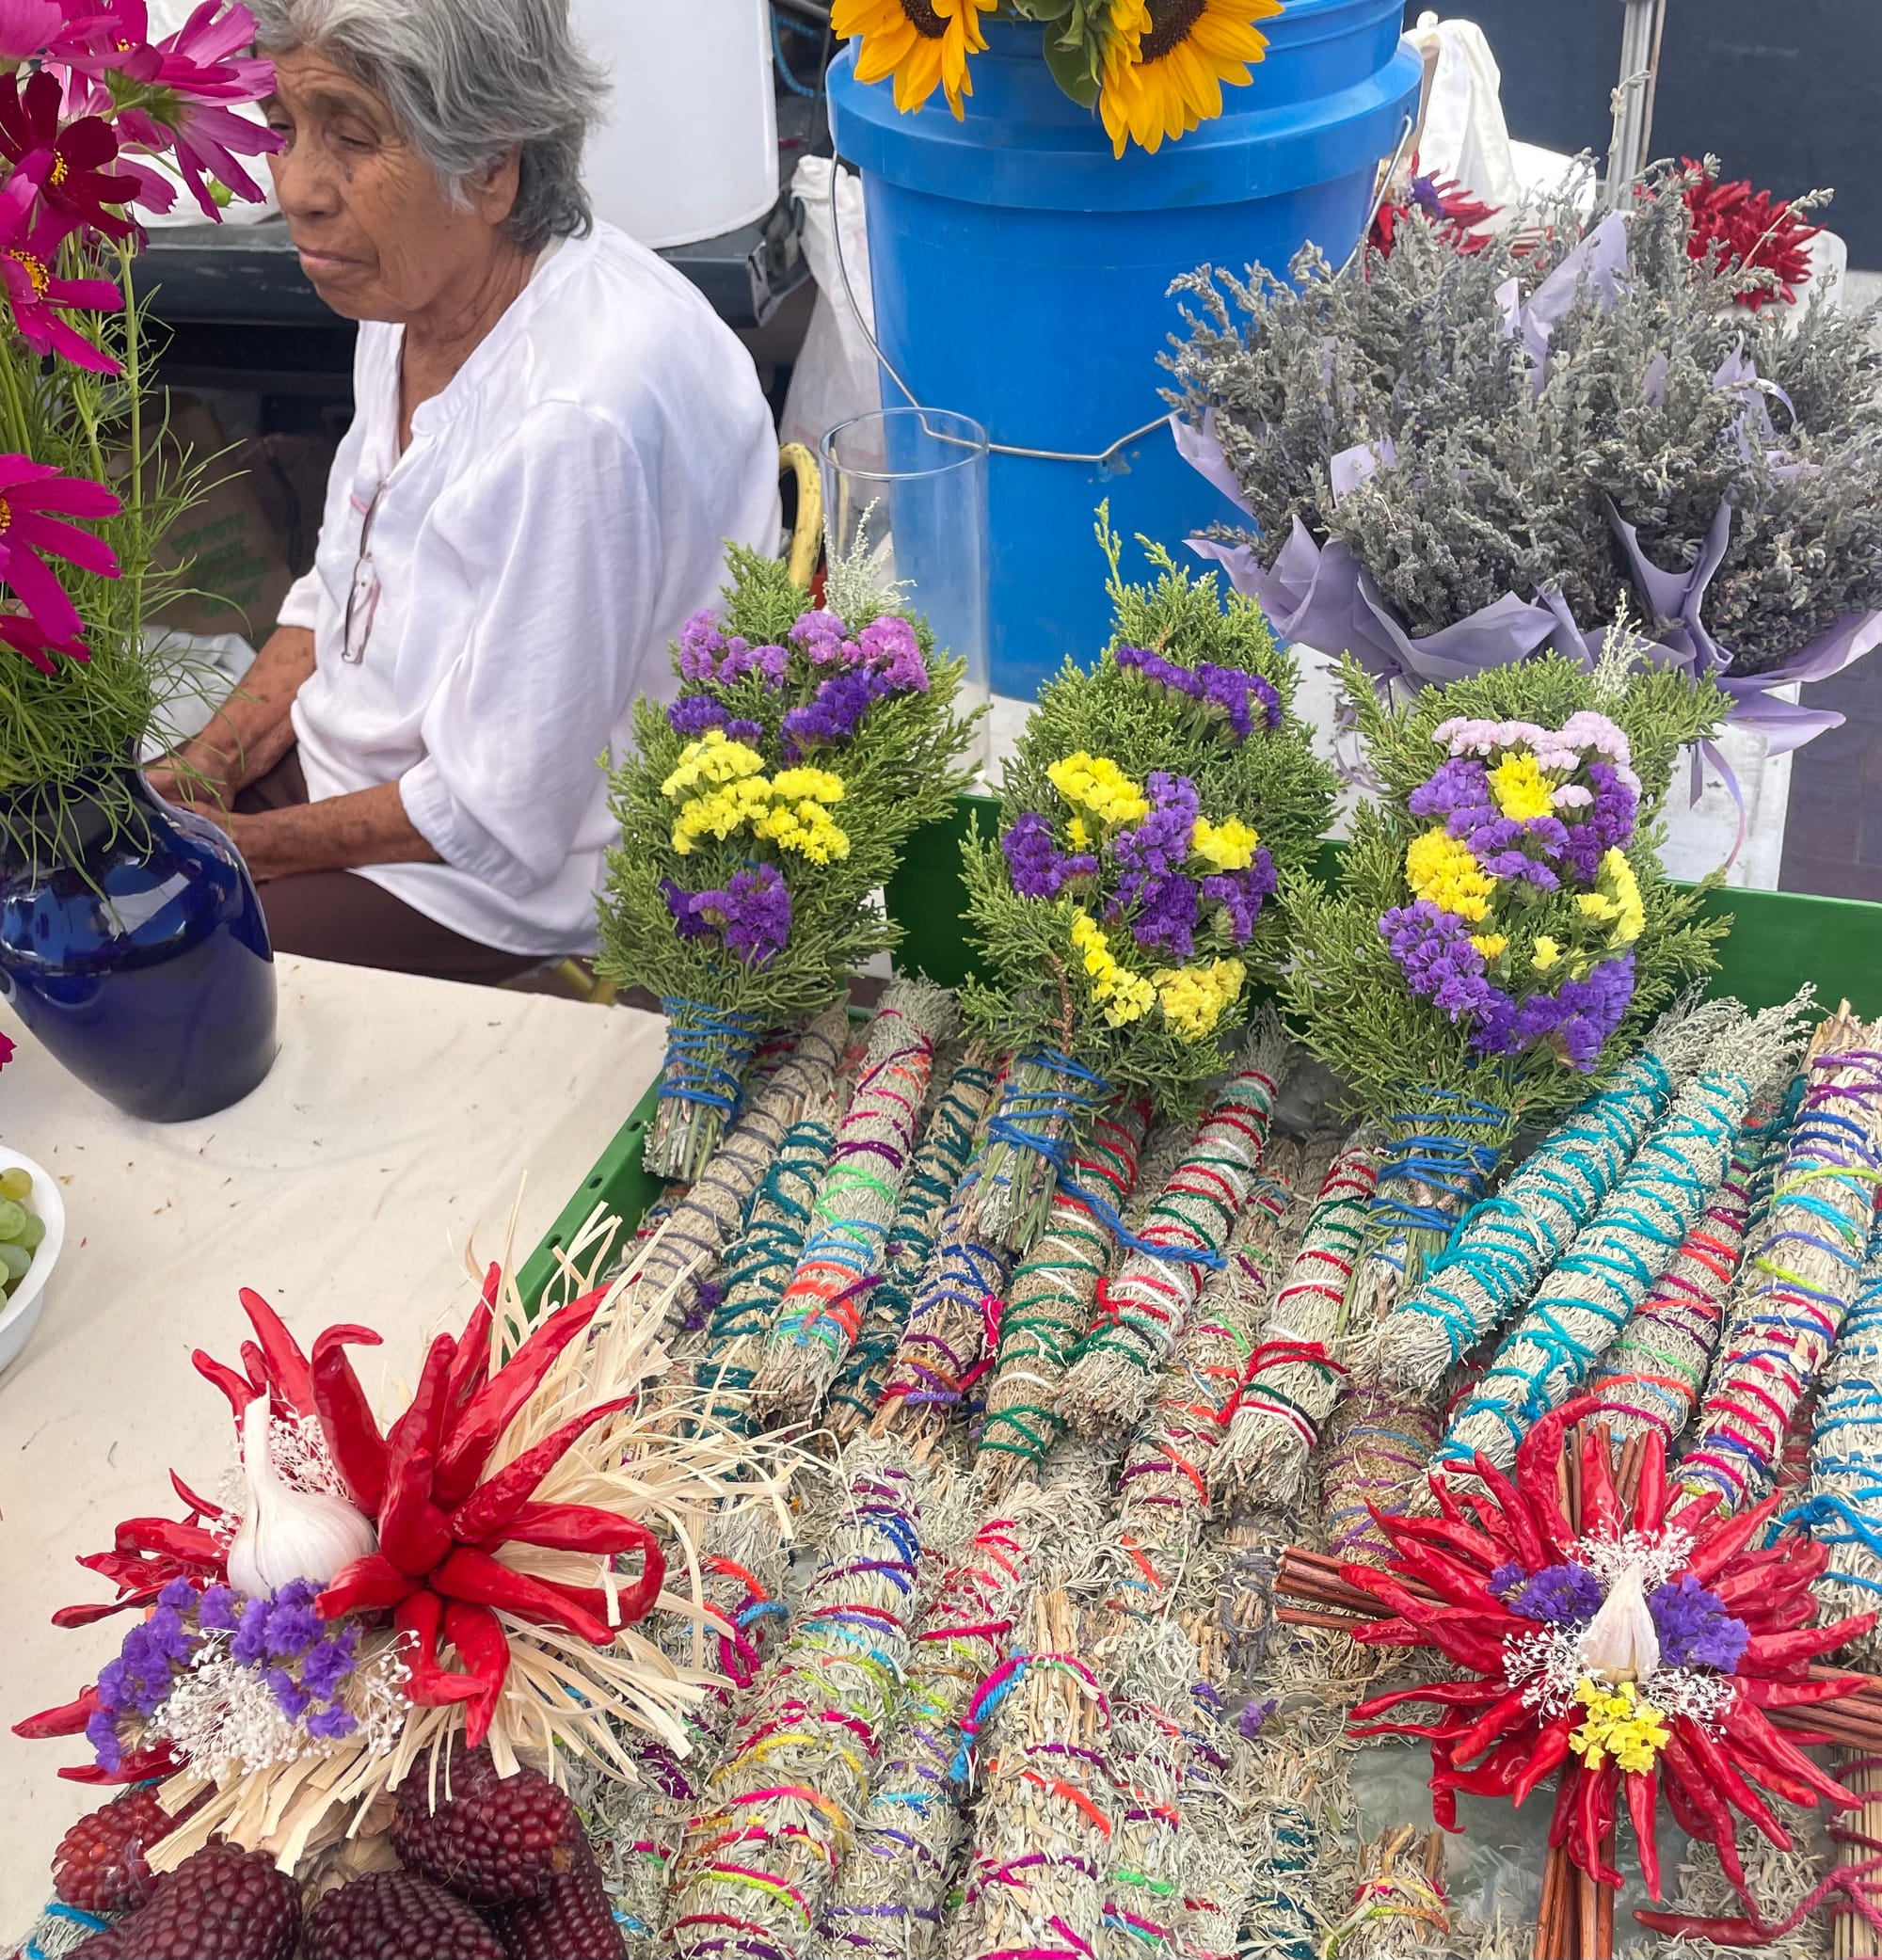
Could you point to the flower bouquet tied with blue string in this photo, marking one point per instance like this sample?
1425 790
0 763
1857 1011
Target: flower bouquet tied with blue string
1128 899
762 812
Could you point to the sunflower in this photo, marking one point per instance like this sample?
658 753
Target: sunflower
923 43
1172 80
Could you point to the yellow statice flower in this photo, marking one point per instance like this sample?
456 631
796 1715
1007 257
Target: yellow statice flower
1077 835
1616 901
817 784
713 758
1546 953
1124 996
804 827
1098 785
1618 1724
1229 846
1493 946
720 812
1195 998
1521 789
1439 867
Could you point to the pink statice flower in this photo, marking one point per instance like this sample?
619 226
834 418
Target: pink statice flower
29 246
35 503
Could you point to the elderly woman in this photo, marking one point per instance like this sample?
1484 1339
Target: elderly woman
553 438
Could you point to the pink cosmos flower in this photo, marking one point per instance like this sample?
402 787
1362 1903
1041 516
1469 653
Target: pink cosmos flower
31 642
65 161
33 501
29 253
205 139
28 28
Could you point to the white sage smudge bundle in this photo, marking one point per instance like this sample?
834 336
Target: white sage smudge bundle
1149 1758
1594 1289
1507 1241
1294 1374
1050 1300
1140 1317
843 1256
1652 1377
1280 1844
1399 1907
940 1163
1800 1275
763 1847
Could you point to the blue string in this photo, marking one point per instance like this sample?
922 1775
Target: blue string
1432 1152
707 1049
1059 1101
1128 1239
72 1916
784 74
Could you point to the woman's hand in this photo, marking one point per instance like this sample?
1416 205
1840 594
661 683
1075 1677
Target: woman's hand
340 833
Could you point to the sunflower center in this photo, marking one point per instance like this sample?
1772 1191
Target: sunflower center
1170 22
35 270
924 20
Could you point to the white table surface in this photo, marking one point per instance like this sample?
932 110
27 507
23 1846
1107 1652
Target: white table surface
403 1121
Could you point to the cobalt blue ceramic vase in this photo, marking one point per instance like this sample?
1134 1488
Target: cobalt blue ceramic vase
133 947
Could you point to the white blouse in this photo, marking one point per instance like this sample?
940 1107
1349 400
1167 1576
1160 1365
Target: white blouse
514 578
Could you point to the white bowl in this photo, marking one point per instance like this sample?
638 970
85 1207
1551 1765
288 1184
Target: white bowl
20 1310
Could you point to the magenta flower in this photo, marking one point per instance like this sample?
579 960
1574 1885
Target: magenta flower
29 252
33 501
205 139
28 28
65 163
5 1051
36 647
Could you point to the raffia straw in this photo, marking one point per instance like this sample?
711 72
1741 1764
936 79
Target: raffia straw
1294 1374
1653 1376
688 1249
1596 1286
760 1268
1399 1907
891 1892
1141 1314
938 1166
1049 1299
844 1251
1510 1239
1797 1283
760 1852
1037 1882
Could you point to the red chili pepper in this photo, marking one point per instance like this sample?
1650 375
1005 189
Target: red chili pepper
1799 1694
1715 1550
1702 1807
1765 1653
69 1719
495 1405
1721 1931
353 1438
138 1766
1594 1814
570 1527
472 1368
1562 1818
1492 1522
369 1585
1551 1748
479 1580
431 1685
287 1372
1491 1724
494 1505
188 1543
256 1365
1757 1739
414 1534
1442 1694
237 1388
200 1505
482 1646
1536 1457
1514 1508
1650 1497
420 1429
69 1618
1643 1798
1725 1777
1601 1501
1457 1538
127 1568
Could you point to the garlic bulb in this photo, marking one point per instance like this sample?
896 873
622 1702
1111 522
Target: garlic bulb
1620 1641
288 1534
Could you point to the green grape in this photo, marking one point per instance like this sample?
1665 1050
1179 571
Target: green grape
36 1230
12 1222
15 1260
16 1184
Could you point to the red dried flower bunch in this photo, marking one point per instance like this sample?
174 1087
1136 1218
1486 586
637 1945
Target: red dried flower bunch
1753 231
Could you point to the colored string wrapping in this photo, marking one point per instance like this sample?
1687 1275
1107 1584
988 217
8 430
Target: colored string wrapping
937 1168
1294 1374
762 1848
1049 1299
1654 1375
1154 1736
1281 1841
1597 1285
687 1252
1380 1441
843 1256
1797 1285
1141 1314
743 1617
1398 1906
1037 1882
760 1268
1505 1242
708 1051
1217 1878
1842 1509
1039 1125
891 1894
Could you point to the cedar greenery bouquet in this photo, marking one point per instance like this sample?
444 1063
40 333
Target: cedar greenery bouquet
1454 460
762 813
1128 902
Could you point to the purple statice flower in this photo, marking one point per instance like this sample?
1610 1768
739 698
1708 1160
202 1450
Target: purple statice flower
330 1661
692 714
1509 1577
1238 694
738 729
1151 857
701 643
1607 822
100 1732
293 1626
1254 1719
1164 918
752 913
292 1699
331 1724
1497 846
683 905
220 1610
834 714
1153 667
251 1645
1694 1629
179 1596
1459 792
890 649
1240 894
1593 1009
1038 867
1564 1595
741 657
824 638
1433 949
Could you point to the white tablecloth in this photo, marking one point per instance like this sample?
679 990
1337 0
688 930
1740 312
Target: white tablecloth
397 1126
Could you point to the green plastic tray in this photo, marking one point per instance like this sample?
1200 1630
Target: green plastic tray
1778 941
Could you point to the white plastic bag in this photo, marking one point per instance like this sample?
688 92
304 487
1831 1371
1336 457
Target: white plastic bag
836 373
1464 136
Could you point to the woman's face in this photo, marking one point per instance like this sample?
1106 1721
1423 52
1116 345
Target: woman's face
376 233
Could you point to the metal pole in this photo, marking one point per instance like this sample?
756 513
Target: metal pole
1633 100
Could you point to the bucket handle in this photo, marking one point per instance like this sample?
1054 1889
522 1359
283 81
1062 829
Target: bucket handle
1101 456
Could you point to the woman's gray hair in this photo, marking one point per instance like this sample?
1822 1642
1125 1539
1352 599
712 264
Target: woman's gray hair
469 81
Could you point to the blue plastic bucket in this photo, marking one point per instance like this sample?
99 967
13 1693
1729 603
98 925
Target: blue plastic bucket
1021 276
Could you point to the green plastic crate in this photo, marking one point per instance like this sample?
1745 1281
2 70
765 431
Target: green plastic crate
1778 941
